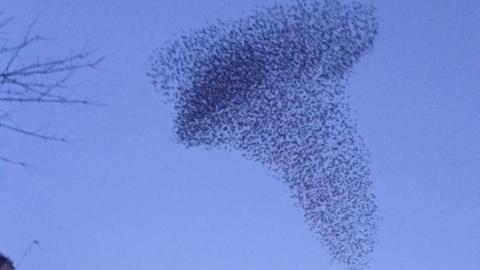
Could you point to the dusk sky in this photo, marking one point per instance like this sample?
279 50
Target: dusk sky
126 196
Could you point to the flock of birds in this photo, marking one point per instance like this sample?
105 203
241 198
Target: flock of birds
273 86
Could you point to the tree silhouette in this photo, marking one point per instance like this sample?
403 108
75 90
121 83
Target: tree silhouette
25 82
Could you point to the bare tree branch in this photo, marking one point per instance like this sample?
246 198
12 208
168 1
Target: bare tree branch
14 162
25 82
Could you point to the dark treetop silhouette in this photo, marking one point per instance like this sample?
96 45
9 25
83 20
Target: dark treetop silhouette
6 263
272 85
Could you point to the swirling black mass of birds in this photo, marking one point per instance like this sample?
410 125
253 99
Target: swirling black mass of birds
272 85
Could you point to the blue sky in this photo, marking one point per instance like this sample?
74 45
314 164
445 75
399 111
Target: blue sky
126 196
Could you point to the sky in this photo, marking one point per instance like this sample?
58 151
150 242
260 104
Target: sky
126 196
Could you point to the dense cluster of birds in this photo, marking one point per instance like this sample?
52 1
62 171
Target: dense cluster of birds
273 86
